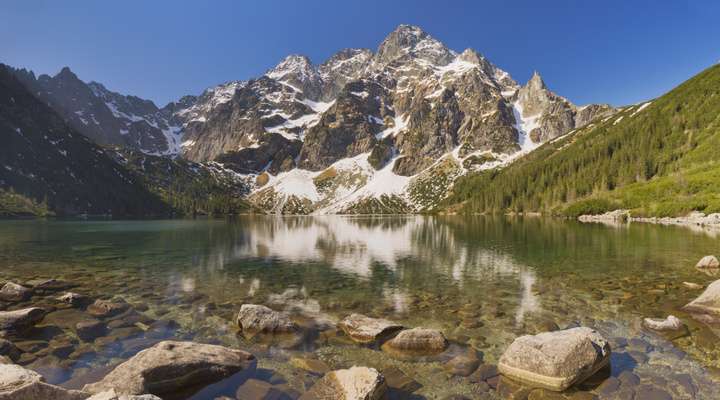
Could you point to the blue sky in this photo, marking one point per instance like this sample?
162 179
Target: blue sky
617 52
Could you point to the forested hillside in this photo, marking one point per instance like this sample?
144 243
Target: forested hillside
657 159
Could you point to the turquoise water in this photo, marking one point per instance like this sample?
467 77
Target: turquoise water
518 275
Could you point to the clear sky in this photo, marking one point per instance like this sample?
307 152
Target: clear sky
613 51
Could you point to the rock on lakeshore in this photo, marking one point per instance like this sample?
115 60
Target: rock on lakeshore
708 262
555 360
18 383
170 366
363 329
18 321
356 383
255 318
417 341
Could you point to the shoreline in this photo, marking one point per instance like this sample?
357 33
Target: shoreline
696 221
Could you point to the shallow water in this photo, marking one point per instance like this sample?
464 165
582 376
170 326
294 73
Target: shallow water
482 281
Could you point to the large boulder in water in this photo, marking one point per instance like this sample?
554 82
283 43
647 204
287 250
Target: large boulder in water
708 262
708 302
356 383
254 318
555 360
417 341
170 366
363 329
18 321
13 292
18 383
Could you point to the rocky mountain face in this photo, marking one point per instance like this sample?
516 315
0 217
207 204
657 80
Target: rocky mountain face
369 130
44 159
553 115
364 131
106 117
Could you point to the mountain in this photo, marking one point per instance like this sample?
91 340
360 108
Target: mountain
106 117
43 160
381 131
657 158
47 167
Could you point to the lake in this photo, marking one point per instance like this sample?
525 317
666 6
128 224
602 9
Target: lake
482 281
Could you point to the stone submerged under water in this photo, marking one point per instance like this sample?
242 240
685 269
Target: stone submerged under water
254 318
671 323
364 329
172 366
356 383
555 360
417 341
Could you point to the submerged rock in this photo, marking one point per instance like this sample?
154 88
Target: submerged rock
417 341
106 308
555 360
171 366
8 349
74 299
18 383
90 330
18 321
708 302
356 383
671 323
692 285
45 286
255 318
463 365
708 262
14 292
363 329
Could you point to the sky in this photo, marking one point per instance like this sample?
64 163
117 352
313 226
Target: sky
616 51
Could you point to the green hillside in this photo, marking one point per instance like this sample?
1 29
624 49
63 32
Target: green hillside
661 160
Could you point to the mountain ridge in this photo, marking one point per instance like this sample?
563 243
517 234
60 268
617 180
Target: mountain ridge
372 124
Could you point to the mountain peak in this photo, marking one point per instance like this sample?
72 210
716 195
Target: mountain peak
66 73
536 82
410 39
294 64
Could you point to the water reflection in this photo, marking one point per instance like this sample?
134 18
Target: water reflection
481 281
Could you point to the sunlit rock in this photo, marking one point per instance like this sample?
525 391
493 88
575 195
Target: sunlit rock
356 383
708 262
416 341
363 329
18 383
555 360
708 302
18 321
14 292
170 366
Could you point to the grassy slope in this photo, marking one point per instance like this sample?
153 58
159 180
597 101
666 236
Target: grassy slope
661 161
